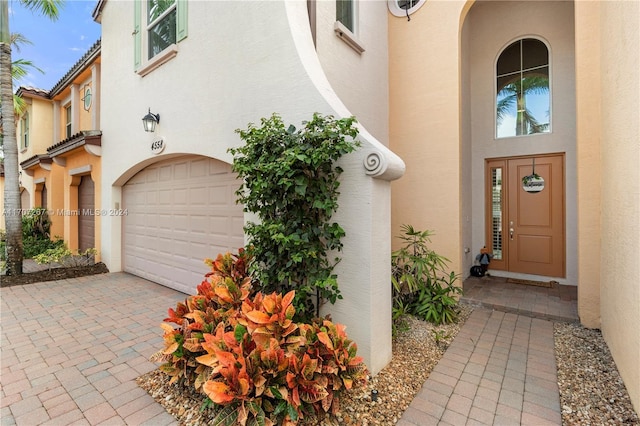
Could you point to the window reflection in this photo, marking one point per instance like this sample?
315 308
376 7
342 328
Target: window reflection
161 18
522 101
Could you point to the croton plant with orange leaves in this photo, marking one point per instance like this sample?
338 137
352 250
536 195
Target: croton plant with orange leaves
245 353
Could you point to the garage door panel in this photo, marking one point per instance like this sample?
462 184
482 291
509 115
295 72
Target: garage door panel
180 212
165 197
199 197
199 168
150 176
165 173
237 228
181 246
219 195
181 170
181 197
86 218
198 224
219 225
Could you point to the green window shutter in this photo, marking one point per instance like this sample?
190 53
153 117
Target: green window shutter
181 23
137 33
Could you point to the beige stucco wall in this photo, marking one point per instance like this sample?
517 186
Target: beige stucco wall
588 129
259 59
40 123
86 118
367 95
424 116
620 162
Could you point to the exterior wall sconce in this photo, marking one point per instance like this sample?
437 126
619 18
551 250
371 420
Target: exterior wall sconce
150 120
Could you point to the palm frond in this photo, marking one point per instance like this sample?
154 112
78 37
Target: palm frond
49 8
18 40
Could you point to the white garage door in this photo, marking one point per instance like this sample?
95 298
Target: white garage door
179 212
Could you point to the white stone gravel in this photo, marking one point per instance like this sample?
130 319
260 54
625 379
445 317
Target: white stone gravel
591 390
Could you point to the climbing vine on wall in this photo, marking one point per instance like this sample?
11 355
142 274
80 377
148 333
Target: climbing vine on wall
290 181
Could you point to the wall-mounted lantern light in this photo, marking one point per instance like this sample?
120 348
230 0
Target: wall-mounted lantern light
150 120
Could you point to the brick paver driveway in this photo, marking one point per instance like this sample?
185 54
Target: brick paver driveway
72 349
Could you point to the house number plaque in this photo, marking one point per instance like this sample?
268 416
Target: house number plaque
157 146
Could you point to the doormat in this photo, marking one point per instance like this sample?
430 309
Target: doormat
547 284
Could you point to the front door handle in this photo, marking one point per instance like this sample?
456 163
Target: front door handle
511 233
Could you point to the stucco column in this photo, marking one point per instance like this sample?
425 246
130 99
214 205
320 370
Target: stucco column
588 129
364 273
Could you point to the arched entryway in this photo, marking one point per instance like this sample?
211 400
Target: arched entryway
489 32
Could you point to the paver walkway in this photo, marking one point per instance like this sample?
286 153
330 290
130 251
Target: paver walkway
499 370
70 351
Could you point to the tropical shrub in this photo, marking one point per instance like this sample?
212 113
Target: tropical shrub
65 257
34 246
81 258
421 286
290 181
36 223
3 242
52 256
246 354
35 233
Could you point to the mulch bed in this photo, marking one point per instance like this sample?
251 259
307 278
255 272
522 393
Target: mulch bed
53 274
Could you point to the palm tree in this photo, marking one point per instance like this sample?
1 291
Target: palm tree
49 8
516 93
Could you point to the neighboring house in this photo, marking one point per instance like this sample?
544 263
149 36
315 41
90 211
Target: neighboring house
60 145
513 119
33 133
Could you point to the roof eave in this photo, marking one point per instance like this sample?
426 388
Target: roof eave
97 11
81 65
93 137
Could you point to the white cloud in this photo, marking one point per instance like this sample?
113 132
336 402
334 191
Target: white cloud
507 127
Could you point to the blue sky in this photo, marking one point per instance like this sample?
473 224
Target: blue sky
57 45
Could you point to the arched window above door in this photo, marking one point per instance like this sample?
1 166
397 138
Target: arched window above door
523 102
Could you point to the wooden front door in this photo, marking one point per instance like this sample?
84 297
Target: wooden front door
525 214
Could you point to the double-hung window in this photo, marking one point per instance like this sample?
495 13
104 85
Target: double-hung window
161 25
68 121
25 130
346 25
345 13
158 26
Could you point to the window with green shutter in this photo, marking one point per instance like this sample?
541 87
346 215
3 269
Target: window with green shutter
158 25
